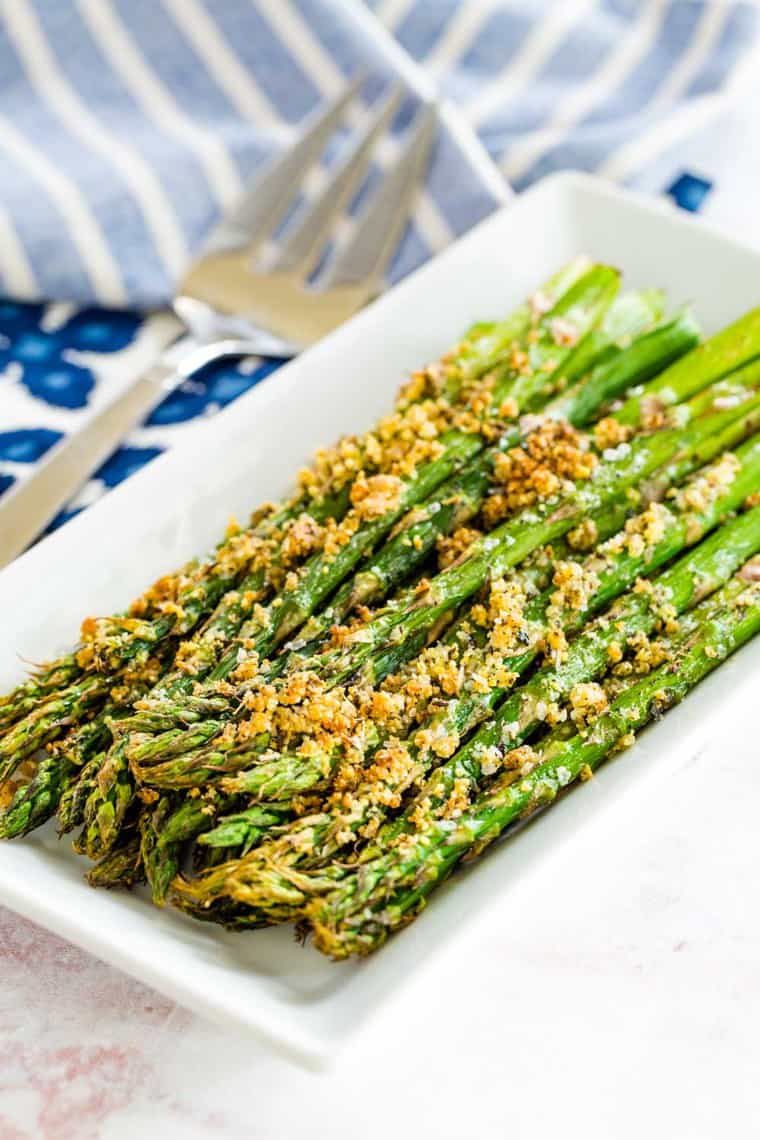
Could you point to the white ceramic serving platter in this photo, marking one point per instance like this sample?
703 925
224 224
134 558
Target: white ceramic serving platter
266 982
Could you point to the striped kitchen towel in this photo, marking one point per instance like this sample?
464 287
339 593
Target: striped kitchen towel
600 85
126 126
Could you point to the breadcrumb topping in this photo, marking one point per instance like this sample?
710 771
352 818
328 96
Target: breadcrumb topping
376 495
584 536
700 493
640 533
552 457
453 546
588 701
608 432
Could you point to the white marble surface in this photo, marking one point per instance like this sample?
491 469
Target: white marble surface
624 1003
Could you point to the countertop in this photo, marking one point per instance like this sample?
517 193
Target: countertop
623 1003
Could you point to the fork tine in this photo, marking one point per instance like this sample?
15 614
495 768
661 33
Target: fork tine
379 228
273 191
303 242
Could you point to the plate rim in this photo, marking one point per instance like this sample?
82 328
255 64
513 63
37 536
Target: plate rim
306 1046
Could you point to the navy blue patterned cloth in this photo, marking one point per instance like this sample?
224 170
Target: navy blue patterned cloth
48 376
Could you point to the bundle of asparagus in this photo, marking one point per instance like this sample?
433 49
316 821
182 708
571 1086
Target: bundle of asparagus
457 615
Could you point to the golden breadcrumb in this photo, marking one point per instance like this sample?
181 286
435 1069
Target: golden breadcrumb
552 457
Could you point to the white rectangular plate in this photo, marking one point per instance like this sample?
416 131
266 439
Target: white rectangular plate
178 506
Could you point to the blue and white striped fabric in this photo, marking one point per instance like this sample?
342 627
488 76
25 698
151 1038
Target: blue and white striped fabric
128 126
599 85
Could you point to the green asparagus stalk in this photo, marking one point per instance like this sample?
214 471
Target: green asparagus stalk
42 684
242 830
616 368
49 720
629 315
701 505
269 879
387 893
122 867
91 737
108 803
486 345
35 802
474 358
168 828
397 633
57 776
579 310
581 307
450 506
74 797
152 824
732 348
646 357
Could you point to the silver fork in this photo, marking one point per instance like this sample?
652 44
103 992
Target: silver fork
252 290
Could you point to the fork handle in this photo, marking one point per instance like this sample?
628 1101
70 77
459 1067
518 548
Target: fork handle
27 509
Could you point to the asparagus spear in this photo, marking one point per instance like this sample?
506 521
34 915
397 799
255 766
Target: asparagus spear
388 566
458 369
121 867
700 506
152 826
240 831
629 315
644 360
732 348
278 878
388 892
167 829
84 740
74 797
49 719
454 502
578 310
486 345
59 777
107 804
35 802
397 633
617 369
43 682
